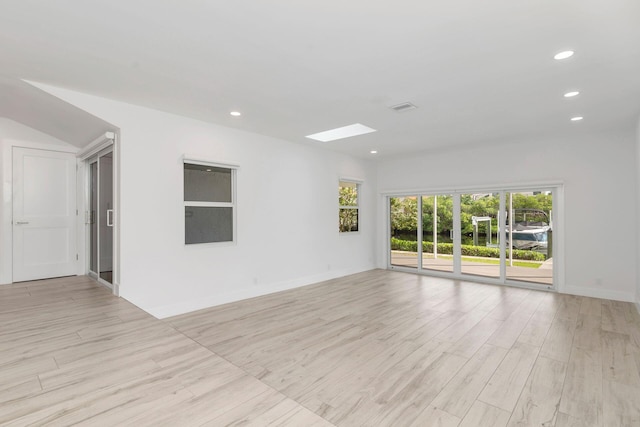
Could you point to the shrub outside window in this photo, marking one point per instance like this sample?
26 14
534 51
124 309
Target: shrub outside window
348 212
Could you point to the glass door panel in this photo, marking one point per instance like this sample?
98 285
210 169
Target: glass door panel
479 221
529 237
100 217
106 216
403 214
437 233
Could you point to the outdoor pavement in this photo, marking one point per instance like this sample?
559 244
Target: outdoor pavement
542 275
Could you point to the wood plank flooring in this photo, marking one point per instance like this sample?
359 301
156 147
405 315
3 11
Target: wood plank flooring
379 348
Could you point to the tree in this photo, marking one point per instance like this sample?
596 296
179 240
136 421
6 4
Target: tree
444 212
404 211
543 202
478 205
348 218
404 214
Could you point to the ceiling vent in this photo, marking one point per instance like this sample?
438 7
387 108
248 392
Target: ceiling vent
401 108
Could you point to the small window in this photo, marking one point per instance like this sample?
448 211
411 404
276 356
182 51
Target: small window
209 203
348 213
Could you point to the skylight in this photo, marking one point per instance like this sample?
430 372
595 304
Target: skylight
342 132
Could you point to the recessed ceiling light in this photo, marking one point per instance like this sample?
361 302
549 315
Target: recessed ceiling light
563 55
571 94
405 106
235 113
374 151
342 132
577 118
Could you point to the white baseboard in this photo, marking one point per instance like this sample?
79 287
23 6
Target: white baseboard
162 312
599 293
250 292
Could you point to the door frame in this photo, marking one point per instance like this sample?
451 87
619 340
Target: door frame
87 215
557 189
109 142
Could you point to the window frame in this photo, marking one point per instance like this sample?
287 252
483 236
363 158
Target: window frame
233 204
358 185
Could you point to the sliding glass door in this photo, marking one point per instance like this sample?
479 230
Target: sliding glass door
479 223
437 232
403 214
529 237
100 217
501 235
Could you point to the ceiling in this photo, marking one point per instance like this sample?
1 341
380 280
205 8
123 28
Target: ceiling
26 104
479 72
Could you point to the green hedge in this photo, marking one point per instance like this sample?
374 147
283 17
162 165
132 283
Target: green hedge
467 250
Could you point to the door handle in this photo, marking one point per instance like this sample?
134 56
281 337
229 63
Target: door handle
22 222
109 217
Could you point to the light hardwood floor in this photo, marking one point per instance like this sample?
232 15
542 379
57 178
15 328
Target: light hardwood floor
377 348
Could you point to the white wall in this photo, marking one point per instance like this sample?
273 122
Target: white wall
287 212
638 215
600 192
13 134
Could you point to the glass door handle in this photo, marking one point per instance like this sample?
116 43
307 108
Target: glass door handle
109 217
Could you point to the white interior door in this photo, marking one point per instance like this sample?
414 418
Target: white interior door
44 214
